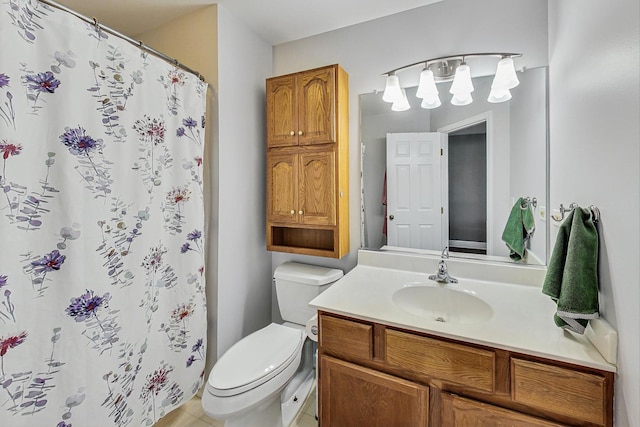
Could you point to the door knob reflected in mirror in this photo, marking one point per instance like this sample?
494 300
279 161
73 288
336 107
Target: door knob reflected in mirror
292 133
391 217
300 212
299 132
292 212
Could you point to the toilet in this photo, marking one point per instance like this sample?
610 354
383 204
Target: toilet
264 379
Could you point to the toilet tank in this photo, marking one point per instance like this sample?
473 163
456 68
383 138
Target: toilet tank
297 284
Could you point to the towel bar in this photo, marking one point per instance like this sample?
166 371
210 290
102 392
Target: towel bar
530 201
595 212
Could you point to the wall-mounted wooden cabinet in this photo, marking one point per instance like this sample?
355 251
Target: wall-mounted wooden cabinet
308 162
364 363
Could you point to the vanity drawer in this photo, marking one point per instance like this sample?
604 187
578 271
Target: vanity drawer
346 338
564 391
459 411
441 360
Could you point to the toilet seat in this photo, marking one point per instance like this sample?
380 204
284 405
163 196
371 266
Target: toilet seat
255 359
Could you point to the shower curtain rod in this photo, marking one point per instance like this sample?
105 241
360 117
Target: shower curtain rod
109 30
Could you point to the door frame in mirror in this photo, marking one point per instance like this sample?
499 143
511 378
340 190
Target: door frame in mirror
487 118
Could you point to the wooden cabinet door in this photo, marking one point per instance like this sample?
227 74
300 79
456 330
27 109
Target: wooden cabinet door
282 188
282 111
316 107
458 411
317 198
353 396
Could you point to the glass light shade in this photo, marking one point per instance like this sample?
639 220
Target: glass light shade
461 99
430 102
392 91
505 77
402 104
499 95
427 86
462 81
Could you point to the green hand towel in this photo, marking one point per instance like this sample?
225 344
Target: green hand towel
572 277
518 229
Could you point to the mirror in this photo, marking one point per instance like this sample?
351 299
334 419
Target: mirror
492 155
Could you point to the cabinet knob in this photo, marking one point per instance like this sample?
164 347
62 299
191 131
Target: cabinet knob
292 133
300 212
391 217
292 212
300 132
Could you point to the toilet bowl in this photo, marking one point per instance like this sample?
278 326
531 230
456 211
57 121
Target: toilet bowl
264 379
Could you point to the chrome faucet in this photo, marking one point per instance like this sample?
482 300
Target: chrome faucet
443 275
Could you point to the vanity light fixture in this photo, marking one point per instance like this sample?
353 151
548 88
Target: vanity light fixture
462 86
448 68
427 90
401 104
392 91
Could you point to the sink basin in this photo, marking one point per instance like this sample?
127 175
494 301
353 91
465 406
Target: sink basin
442 304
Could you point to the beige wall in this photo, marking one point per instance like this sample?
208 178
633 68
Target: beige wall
191 39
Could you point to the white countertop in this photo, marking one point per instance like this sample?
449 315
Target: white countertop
522 318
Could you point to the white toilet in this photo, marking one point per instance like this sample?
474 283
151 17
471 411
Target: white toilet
264 379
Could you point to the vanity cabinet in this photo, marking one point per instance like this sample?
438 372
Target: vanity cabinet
467 384
308 163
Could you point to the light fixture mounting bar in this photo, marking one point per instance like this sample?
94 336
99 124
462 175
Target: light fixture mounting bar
460 57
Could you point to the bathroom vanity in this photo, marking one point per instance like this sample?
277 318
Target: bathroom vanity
381 363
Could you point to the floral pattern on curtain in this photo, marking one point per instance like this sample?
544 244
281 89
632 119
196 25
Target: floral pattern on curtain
102 300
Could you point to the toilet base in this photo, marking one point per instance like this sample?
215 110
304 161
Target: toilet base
293 405
268 414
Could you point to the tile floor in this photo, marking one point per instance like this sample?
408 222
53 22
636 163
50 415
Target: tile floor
191 414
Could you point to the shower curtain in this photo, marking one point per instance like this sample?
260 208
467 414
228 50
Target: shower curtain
102 302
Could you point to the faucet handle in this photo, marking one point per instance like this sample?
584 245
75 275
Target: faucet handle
445 253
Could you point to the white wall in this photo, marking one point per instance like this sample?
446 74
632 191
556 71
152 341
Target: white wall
595 157
243 288
367 50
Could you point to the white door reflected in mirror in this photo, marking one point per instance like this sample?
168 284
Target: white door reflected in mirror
414 191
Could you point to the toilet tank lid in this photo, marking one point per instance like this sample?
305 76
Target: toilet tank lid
307 274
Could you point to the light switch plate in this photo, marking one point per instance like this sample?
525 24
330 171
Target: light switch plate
542 213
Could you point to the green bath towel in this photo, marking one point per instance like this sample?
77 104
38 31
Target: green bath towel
572 277
519 229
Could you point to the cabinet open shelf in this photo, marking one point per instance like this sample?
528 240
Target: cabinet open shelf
310 241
